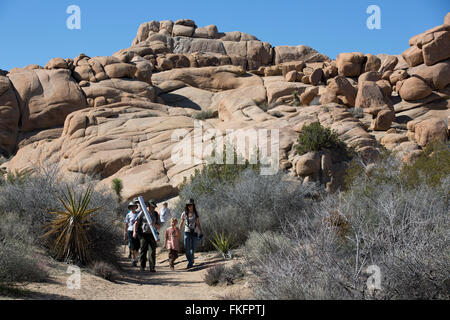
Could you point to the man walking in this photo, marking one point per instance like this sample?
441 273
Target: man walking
147 241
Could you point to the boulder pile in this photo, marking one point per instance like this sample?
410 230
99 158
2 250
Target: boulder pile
122 116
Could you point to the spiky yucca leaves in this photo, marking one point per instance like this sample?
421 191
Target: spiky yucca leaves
222 243
68 230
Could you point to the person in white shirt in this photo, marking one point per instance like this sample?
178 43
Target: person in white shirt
164 214
130 219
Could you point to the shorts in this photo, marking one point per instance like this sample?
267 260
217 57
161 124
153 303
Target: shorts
133 243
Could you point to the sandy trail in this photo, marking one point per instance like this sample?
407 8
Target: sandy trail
165 284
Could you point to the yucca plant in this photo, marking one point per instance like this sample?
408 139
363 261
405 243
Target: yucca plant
68 230
117 187
222 244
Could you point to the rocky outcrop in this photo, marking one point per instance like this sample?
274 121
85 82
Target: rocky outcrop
46 97
10 117
120 116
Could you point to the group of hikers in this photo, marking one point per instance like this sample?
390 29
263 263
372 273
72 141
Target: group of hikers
142 242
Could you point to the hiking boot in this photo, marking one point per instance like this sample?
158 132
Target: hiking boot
134 263
152 270
142 269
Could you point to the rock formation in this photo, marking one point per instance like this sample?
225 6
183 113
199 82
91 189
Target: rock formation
121 116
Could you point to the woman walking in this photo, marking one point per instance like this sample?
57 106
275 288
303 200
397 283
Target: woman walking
192 231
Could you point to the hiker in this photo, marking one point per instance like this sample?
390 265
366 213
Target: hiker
164 214
133 243
192 231
172 242
147 241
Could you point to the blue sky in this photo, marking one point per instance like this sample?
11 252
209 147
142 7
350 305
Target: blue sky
35 31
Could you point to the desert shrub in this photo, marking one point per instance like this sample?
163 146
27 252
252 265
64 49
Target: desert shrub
214 274
105 270
18 262
432 165
252 202
222 274
315 137
405 232
265 244
203 115
33 199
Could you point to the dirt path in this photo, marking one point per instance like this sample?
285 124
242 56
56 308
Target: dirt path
165 284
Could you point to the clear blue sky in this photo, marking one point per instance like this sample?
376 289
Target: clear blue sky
35 31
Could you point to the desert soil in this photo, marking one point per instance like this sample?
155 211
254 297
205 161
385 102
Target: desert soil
165 284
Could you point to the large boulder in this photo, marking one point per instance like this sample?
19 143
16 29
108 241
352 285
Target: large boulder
9 117
349 63
413 56
429 130
183 31
308 164
414 88
373 63
301 52
388 64
438 49
371 98
57 63
340 87
120 70
437 76
46 97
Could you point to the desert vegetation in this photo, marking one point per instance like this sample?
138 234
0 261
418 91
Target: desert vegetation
304 243
42 214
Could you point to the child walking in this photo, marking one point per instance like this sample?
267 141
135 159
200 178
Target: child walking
171 242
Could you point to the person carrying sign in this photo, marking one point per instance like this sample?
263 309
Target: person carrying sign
143 231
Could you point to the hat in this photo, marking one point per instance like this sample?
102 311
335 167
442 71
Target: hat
191 201
152 203
131 204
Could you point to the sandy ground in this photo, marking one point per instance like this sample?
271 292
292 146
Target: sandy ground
165 284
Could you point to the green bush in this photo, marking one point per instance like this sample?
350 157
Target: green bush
315 137
432 166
